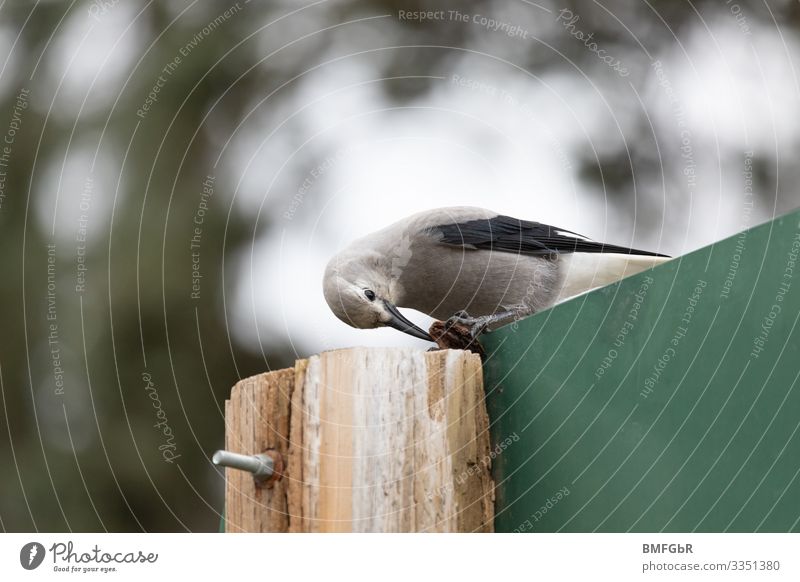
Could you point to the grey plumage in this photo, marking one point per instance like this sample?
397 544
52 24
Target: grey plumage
468 259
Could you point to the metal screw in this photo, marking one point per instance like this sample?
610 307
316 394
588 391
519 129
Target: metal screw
266 467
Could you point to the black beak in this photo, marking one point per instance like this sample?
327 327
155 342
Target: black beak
399 321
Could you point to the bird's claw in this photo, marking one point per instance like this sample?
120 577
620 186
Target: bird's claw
476 325
478 329
461 317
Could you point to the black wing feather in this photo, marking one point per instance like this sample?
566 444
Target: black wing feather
508 234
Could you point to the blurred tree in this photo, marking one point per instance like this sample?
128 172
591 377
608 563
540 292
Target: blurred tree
139 352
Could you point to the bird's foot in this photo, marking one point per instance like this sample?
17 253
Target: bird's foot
451 335
476 325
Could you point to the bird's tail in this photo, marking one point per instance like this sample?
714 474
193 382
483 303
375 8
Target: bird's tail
582 272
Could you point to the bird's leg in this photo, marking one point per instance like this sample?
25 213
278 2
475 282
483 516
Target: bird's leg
478 325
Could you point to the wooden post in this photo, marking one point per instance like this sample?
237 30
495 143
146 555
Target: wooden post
374 440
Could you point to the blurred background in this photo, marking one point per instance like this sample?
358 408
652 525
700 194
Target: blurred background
174 176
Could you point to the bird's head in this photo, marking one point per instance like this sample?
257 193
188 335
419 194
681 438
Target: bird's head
360 293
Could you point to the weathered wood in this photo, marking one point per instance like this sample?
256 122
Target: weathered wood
374 440
257 419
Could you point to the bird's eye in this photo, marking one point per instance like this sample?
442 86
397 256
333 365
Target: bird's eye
369 294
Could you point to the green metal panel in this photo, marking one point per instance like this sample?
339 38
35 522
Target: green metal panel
669 401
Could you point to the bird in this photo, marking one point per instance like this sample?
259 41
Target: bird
470 266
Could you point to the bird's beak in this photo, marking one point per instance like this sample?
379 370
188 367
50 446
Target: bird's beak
398 321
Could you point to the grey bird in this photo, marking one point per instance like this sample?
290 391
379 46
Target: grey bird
471 266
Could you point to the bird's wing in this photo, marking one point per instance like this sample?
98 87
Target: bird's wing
507 234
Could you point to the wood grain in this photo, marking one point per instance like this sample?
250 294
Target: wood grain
257 419
374 440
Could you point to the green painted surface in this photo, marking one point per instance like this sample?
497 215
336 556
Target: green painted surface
667 402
